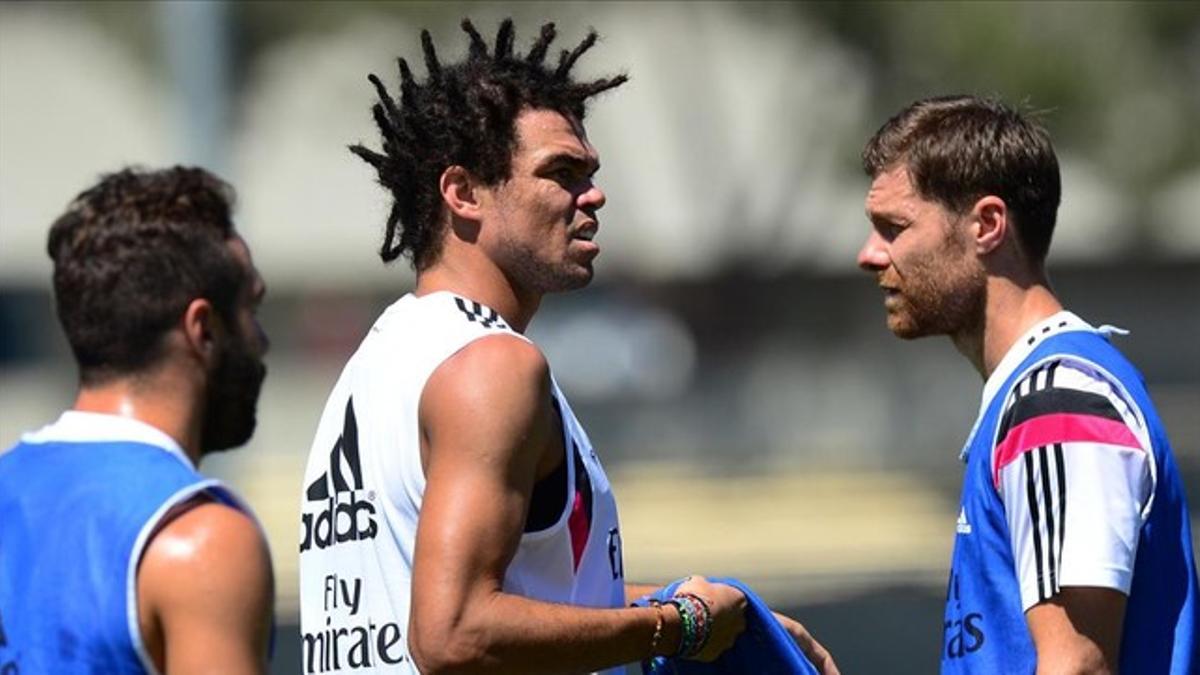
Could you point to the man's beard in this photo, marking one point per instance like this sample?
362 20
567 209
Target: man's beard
529 273
232 399
939 299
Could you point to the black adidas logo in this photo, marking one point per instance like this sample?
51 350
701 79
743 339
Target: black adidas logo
348 515
477 313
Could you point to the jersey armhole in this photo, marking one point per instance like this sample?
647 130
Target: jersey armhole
569 472
210 490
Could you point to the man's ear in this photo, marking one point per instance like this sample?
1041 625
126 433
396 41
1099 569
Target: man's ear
990 215
200 328
460 192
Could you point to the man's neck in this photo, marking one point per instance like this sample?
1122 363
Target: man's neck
163 408
1011 310
487 286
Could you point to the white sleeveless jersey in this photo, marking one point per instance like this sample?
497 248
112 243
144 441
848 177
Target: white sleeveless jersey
364 484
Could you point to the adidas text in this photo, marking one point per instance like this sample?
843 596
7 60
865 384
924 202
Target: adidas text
346 517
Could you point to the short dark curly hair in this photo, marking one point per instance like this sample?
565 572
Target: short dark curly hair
960 148
464 114
130 253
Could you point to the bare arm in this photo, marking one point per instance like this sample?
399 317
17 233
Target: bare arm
487 426
1078 630
205 593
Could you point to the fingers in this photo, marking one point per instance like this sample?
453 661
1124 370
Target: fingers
821 658
727 606
815 651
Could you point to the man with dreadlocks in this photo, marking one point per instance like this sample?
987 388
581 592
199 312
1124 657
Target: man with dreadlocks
455 517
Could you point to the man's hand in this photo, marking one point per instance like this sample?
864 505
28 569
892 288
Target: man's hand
728 608
816 653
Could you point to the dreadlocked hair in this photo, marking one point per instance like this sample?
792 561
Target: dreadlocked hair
464 114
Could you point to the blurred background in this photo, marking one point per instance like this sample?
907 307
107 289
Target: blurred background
730 362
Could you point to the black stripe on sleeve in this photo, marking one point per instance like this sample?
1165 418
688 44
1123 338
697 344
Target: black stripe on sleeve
1048 504
1031 492
1062 500
1019 391
1057 401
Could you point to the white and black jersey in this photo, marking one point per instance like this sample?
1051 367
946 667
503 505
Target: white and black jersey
364 485
1072 464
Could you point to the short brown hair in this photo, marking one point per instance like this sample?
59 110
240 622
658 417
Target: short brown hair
960 148
129 255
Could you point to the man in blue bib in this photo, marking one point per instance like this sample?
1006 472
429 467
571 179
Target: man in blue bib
116 556
1073 551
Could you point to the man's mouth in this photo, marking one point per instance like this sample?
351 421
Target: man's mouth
890 295
586 233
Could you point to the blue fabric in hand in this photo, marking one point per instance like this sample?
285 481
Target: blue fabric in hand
765 648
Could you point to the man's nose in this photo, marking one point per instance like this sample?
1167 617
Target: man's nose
873 256
591 199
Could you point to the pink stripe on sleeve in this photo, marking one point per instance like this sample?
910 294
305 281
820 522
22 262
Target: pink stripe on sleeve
1059 428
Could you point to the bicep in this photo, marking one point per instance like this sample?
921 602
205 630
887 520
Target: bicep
207 578
1078 630
486 421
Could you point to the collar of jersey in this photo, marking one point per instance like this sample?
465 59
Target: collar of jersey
91 427
1059 322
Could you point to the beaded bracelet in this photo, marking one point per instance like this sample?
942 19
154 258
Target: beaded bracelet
658 626
695 623
685 640
690 633
687 632
704 619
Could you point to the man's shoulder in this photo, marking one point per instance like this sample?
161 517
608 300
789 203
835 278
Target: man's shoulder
204 539
440 310
498 382
1067 379
506 357
203 528
1063 400
207 569
421 332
